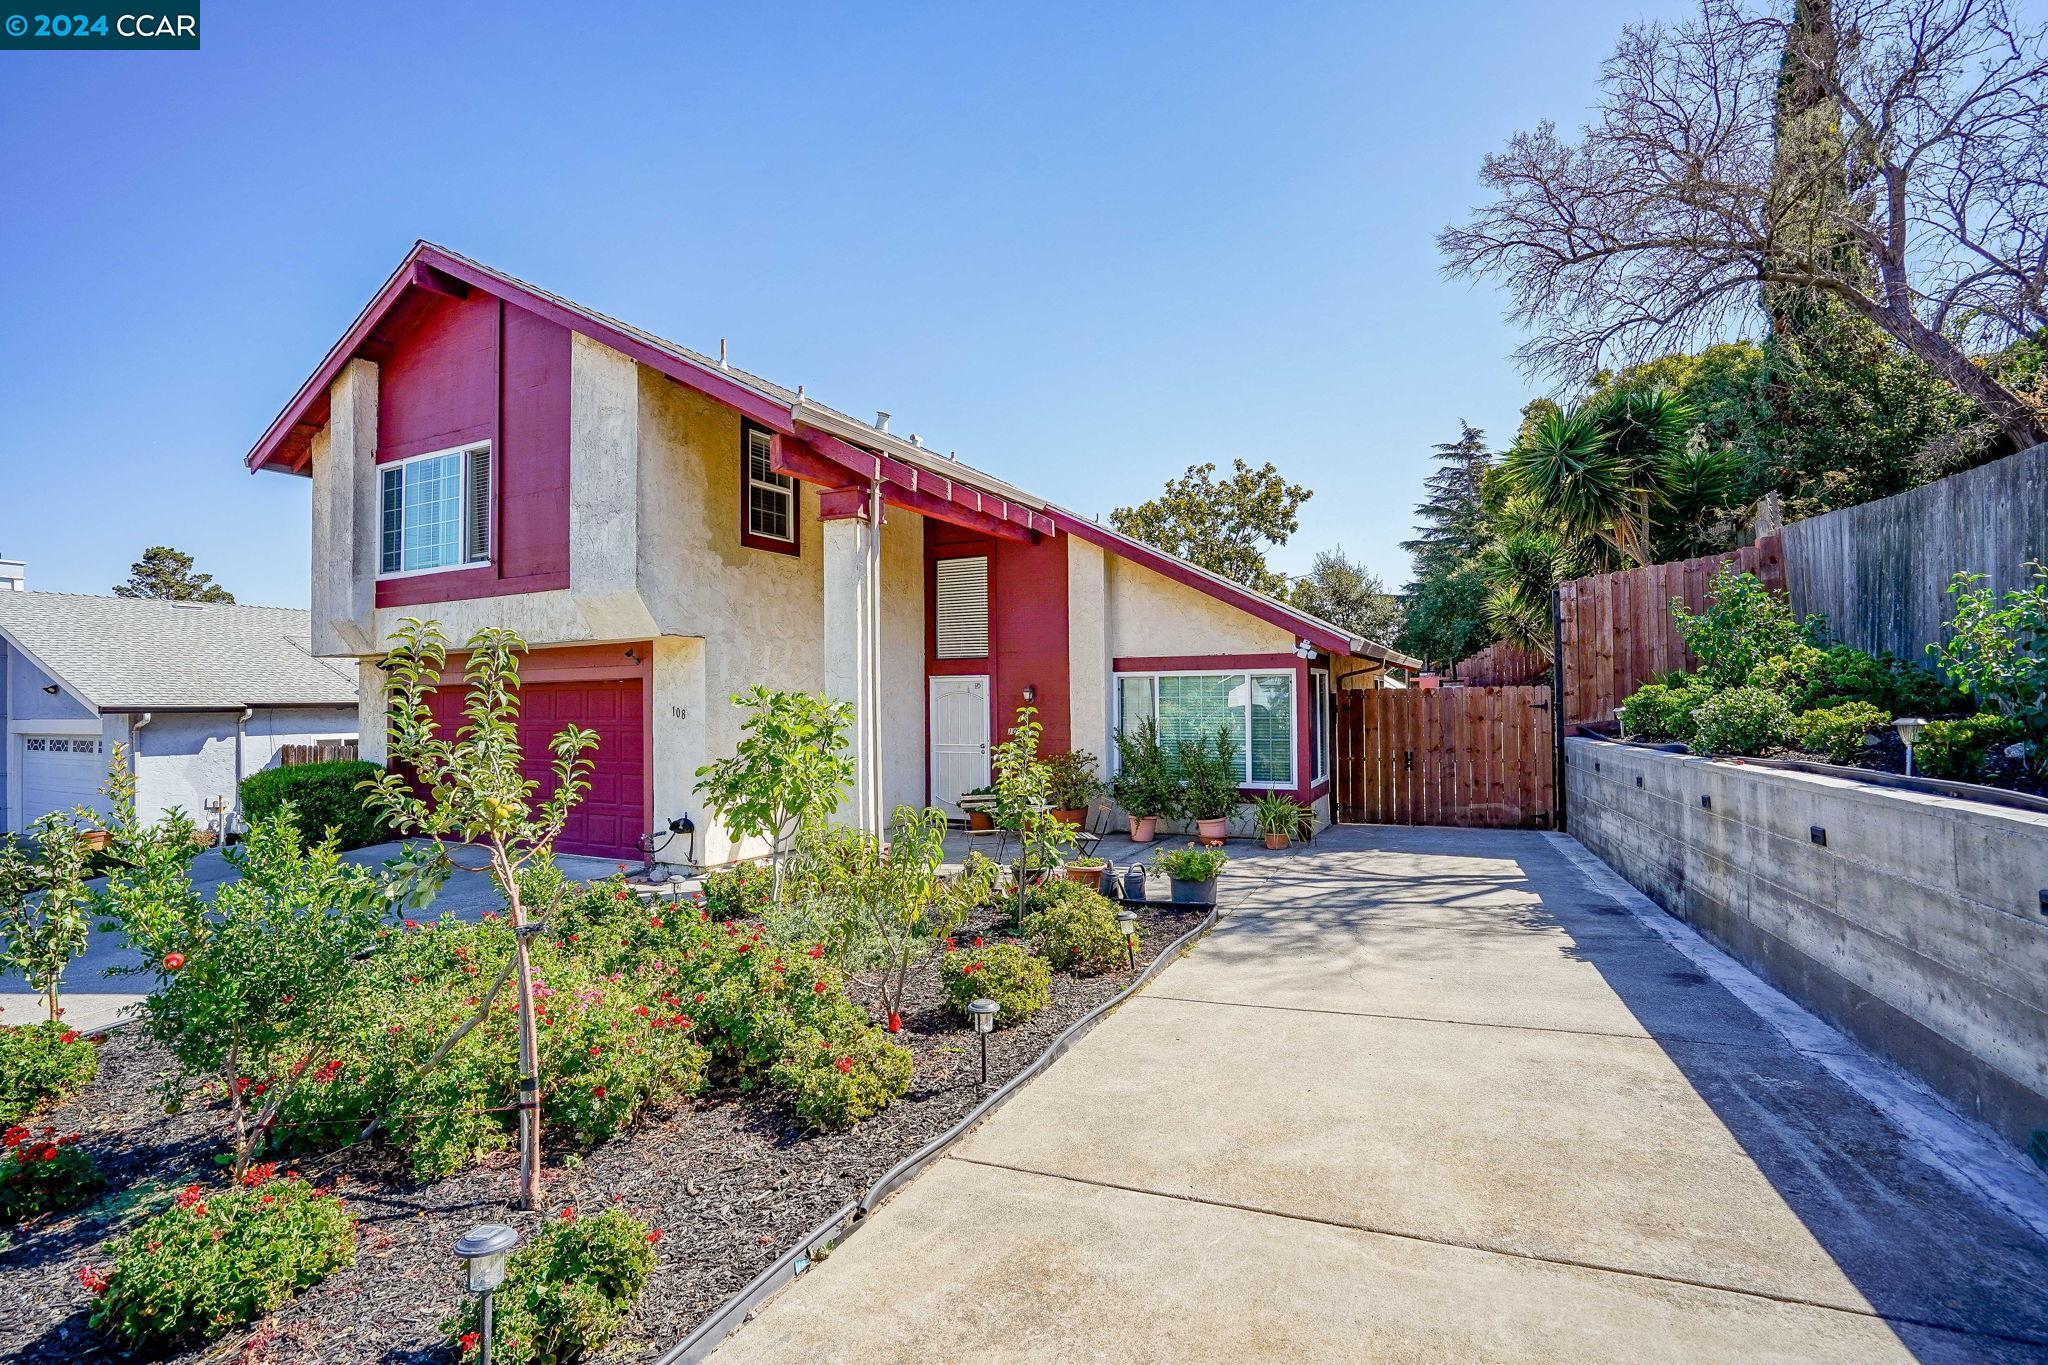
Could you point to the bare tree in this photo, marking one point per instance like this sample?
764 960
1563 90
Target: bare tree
1657 226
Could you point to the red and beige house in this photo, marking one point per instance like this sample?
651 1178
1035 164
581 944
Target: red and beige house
665 531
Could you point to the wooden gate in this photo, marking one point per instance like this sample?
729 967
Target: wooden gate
1446 756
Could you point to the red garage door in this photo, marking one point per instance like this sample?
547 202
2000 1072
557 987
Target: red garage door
610 819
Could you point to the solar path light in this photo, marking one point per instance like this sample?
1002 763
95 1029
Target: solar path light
486 1248
983 1013
1909 728
1127 925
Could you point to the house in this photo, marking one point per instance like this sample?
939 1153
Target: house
665 530
200 694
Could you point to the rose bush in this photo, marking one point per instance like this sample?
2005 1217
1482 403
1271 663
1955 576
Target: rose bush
1020 984
1077 931
43 1171
41 1064
565 1293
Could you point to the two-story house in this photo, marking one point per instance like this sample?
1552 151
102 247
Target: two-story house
665 530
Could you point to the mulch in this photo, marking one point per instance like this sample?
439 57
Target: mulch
731 1179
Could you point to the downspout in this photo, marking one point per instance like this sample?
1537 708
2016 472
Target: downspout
135 755
873 595
232 816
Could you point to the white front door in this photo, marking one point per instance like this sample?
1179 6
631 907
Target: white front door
959 718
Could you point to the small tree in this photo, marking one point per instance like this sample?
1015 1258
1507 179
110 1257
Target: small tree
45 907
167 574
1744 624
475 791
1997 651
789 770
1222 525
889 905
1023 804
254 991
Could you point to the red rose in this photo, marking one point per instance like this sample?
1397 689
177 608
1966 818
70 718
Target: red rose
597 1092
569 1214
815 950
844 1064
654 1237
817 988
70 1036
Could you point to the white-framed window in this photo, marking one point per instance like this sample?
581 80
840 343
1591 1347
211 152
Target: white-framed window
1319 720
435 511
1255 707
768 498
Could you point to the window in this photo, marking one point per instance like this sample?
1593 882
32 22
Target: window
1319 720
962 601
1257 709
436 511
767 498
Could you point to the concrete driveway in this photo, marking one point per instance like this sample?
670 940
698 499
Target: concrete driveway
95 994
1446 1095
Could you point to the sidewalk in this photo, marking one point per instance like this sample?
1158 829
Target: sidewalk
1438 1095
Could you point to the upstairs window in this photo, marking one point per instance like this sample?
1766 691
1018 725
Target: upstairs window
767 498
435 511
962 601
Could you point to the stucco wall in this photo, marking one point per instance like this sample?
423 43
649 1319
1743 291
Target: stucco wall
1150 615
185 759
24 706
1916 927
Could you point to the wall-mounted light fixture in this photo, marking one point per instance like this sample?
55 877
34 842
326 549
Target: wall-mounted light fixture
1030 692
51 689
633 655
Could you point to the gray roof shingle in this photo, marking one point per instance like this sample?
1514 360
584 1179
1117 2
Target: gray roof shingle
122 652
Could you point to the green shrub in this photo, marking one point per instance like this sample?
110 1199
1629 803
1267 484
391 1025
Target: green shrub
1838 731
1662 712
1957 749
1077 933
1020 984
1744 624
218 1259
1997 652
566 1292
1191 864
326 795
41 1064
739 892
44 1172
835 1085
1741 720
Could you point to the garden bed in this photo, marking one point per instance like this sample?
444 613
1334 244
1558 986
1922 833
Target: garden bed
732 1179
1884 757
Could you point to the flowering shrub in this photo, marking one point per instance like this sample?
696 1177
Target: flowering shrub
219 1258
837 1084
42 1172
1839 731
41 1064
565 1292
1077 932
1742 720
741 892
1020 984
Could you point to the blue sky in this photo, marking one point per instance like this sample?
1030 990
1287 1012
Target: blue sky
1083 246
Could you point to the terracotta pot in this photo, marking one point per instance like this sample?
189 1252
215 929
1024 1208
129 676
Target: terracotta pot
1090 877
98 840
1276 841
1077 816
980 819
1144 829
1212 831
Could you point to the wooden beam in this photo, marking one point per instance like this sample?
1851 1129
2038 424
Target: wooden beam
437 281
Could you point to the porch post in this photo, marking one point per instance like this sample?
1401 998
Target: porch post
853 574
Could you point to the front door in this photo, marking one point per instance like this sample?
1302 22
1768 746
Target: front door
959 718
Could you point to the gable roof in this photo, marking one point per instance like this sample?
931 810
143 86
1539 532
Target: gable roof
286 443
127 653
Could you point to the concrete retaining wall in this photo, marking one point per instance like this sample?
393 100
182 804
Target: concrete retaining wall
1916 928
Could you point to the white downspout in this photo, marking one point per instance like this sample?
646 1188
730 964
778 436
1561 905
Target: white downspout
231 818
873 602
135 755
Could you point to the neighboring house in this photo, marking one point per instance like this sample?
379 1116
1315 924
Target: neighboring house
665 531
199 694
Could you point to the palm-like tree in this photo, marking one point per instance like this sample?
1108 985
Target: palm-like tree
1600 472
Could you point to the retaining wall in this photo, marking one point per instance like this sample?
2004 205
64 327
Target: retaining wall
1916 927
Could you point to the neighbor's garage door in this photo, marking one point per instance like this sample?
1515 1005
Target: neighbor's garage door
57 773
610 819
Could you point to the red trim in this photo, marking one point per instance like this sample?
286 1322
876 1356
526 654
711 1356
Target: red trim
1306 788
1207 663
748 537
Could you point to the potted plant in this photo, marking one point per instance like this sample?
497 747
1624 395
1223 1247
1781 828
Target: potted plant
1071 785
1193 873
980 807
1209 793
1279 818
1145 784
1087 870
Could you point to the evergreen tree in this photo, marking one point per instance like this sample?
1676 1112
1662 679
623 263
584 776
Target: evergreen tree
167 574
1451 519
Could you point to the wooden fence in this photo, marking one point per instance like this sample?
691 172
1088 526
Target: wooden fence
1445 756
1617 627
1879 572
1501 664
324 751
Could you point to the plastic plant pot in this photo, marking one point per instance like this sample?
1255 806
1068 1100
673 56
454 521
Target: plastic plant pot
1194 893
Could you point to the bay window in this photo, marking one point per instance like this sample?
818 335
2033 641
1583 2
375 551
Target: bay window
1256 709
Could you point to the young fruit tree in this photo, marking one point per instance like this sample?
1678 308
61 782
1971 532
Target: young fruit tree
253 993
470 788
789 771
1023 805
45 908
1907 189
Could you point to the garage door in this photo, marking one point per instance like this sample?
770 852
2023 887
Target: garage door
57 773
610 819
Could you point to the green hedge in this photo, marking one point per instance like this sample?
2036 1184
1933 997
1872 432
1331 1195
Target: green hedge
324 794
